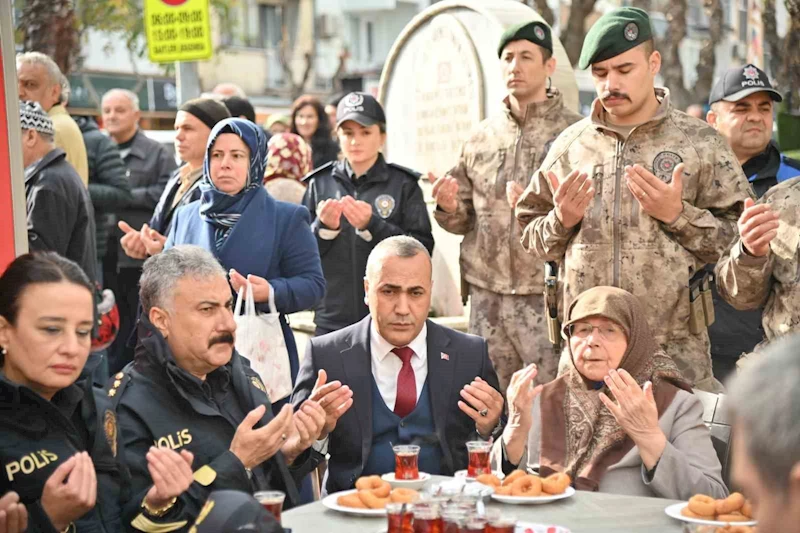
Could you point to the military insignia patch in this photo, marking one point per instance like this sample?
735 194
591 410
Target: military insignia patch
664 165
539 33
385 205
257 383
631 31
110 428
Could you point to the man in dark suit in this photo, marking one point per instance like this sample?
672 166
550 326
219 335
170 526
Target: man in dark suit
407 379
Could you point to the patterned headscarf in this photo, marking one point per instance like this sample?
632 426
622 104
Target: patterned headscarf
583 437
288 156
220 209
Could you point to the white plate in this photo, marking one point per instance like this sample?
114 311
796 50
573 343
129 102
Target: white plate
525 527
463 474
674 511
330 502
532 500
413 484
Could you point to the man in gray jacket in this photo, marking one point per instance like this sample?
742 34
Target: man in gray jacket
150 165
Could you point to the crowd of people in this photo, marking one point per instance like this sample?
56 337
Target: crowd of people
614 264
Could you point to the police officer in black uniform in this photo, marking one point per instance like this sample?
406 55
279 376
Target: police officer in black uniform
189 390
58 448
356 203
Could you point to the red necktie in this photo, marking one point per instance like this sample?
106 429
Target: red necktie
406 383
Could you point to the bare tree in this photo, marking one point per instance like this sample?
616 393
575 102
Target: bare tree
572 37
285 58
784 54
336 79
671 66
49 26
542 8
708 60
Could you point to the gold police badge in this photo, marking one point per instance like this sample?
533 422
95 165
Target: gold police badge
110 427
257 383
385 205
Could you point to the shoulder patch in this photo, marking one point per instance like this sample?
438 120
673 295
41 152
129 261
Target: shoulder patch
110 429
411 173
317 170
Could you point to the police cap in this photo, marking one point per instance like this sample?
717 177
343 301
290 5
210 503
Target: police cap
360 107
738 82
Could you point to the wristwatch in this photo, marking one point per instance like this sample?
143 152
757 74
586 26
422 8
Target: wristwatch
161 511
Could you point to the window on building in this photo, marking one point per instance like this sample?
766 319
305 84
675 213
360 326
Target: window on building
370 41
743 21
269 24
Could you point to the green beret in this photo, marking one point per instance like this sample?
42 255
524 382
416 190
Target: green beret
614 33
535 32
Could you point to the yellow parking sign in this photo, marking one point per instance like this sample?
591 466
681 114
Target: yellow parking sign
177 30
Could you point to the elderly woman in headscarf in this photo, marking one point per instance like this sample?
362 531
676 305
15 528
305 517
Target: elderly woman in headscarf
288 160
257 238
620 419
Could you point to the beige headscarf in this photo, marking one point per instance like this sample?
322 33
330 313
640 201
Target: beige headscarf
580 435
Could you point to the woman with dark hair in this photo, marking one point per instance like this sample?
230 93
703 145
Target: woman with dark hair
310 121
59 443
621 418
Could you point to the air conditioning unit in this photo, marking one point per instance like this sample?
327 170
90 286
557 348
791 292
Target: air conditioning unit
325 29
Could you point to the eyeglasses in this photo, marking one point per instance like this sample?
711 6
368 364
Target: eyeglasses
583 329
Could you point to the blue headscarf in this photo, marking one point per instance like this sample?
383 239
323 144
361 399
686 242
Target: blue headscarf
220 209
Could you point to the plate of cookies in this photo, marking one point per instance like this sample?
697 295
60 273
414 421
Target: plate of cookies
522 488
705 510
369 498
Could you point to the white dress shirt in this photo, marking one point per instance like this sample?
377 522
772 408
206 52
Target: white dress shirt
386 365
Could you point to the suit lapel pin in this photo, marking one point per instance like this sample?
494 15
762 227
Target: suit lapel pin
445 357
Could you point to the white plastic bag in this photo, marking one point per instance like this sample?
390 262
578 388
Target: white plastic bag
259 337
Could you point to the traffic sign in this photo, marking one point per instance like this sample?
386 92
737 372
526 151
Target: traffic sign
177 30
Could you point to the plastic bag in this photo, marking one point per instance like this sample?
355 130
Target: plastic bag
259 337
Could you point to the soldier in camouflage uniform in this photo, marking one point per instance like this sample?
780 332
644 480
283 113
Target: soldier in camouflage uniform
639 195
762 266
506 284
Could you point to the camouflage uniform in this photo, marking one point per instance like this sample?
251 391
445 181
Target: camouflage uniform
618 244
748 282
506 284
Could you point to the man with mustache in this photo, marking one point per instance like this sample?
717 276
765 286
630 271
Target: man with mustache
397 378
639 195
741 111
189 390
476 199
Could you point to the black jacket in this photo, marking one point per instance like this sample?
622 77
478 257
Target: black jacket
162 215
150 165
159 403
324 150
398 209
39 435
60 214
346 356
109 188
736 332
